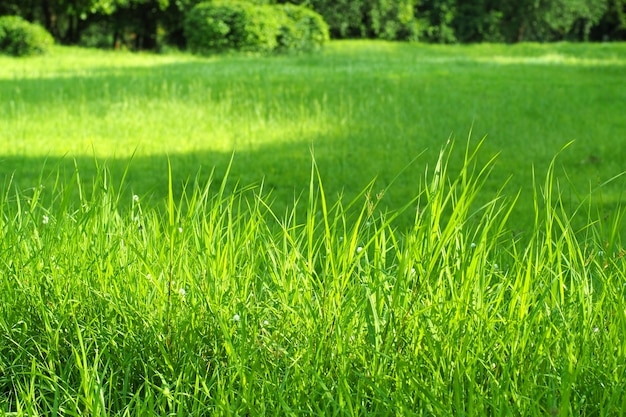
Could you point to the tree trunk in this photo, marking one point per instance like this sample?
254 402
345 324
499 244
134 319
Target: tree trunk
72 34
48 17
147 38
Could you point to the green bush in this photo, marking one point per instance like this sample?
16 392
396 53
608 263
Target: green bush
18 37
222 26
302 28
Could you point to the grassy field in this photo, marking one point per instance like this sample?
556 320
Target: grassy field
365 109
133 281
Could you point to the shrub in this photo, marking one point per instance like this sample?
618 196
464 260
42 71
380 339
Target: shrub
221 25
302 29
18 37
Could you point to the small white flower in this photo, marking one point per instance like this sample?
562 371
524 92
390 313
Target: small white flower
45 219
182 292
496 267
359 249
266 323
236 317
596 329
180 230
473 245
135 198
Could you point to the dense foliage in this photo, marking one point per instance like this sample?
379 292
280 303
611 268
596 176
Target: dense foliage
475 20
146 24
219 26
226 25
301 30
19 37
383 19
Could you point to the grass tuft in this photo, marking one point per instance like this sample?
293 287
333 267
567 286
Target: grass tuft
215 304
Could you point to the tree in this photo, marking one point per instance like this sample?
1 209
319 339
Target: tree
392 19
345 18
612 26
385 19
478 21
66 19
173 18
549 20
139 23
139 19
438 16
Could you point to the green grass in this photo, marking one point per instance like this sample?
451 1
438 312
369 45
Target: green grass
366 109
146 270
215 305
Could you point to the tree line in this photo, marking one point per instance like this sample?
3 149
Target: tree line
150 24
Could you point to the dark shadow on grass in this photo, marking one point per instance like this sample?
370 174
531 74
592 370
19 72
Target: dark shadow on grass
281 172
283 178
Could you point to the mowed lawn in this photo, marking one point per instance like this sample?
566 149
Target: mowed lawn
364 109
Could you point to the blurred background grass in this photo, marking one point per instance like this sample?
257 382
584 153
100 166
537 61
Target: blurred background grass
364 109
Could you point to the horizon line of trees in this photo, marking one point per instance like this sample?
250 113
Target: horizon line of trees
151 24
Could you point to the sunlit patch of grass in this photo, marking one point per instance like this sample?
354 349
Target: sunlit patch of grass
556 59
65 62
